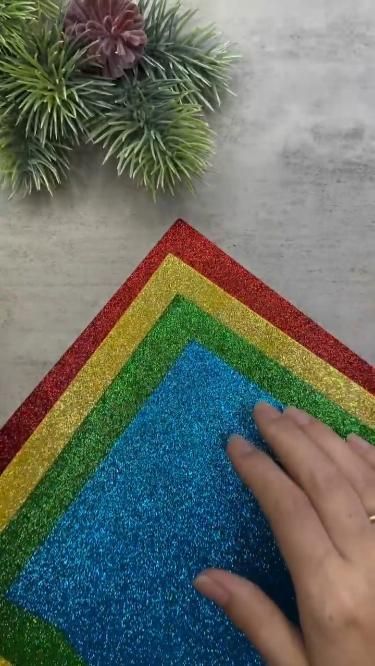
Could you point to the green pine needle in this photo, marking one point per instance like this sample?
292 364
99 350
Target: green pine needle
41 83
17 15
194 57
26 164
48 8
14 16
158 138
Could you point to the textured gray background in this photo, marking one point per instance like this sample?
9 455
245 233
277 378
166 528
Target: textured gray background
290 195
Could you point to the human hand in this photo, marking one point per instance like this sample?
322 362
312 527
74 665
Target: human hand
319 506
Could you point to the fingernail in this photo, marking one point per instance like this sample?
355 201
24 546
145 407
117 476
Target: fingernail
241 445
211 589
264 409
356 439
299 416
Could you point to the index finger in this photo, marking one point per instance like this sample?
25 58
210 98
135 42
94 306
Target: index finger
302 538
336 502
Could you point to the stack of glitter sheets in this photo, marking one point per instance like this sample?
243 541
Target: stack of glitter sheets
116 489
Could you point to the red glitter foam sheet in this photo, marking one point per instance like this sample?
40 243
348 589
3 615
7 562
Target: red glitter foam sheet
194 249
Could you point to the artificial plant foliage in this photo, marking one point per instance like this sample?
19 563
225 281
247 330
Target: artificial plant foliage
135 78
42 83
17 15
192 56
154 134
27 164
113 29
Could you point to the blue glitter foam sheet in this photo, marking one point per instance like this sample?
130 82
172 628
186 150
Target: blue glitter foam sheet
115 574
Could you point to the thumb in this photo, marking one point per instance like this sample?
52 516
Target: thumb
277 640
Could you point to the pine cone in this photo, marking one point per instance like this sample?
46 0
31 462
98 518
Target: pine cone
114 28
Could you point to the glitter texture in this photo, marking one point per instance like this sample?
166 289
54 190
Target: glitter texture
115 574
170 343
39 452
193 248
182 323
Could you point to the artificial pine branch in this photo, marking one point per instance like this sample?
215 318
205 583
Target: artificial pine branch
48 8
16 17
42 85
26 164
160 139
193 57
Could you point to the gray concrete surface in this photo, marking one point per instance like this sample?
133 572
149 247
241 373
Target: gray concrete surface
291 193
